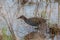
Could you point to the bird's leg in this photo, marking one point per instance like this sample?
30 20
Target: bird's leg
36 29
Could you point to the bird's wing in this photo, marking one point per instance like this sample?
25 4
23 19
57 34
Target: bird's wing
34 20
37 20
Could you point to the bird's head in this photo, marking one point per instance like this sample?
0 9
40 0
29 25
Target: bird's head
22 17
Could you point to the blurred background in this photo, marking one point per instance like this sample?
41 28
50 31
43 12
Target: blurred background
12 28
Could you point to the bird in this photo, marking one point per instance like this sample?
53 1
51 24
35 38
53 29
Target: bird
33 21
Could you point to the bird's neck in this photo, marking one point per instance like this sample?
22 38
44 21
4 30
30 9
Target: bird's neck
24 18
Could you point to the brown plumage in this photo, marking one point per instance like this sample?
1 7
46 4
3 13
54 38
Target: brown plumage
34 21
34 36
29 36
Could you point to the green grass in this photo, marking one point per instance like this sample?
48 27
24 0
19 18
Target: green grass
5 36
43 14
